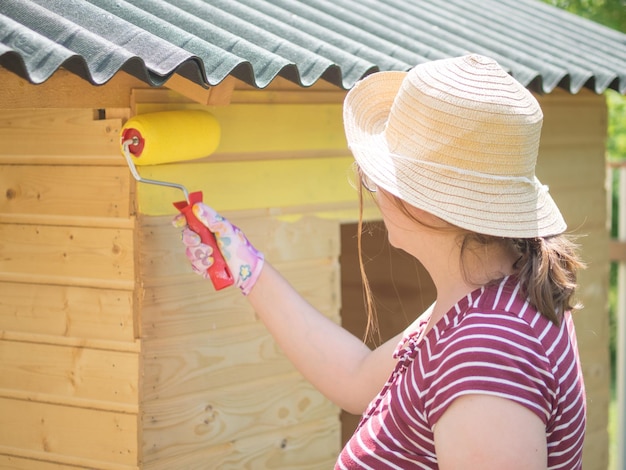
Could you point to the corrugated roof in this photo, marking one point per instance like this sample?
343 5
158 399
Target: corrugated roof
304 40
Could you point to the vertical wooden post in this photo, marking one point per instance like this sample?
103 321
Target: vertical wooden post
621 326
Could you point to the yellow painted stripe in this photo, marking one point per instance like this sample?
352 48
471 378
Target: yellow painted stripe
255 128
259 184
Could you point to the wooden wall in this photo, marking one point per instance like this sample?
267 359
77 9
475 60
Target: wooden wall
218 392
217 389
572 163
69 351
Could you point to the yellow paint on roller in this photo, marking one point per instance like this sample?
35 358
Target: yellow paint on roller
173 136
262 184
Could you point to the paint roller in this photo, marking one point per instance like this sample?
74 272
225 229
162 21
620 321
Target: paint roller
173 136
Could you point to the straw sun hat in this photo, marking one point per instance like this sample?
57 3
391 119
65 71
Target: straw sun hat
457 138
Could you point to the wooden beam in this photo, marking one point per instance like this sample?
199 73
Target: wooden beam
66 90
215 96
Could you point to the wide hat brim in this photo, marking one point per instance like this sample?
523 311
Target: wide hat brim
490 206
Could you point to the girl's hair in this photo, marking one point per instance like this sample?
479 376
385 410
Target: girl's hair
372 326
546 267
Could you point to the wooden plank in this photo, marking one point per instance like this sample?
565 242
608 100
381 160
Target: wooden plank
66 254
76 372
78 281
252 128
57 132
217 416
219 95
72 312
288 96
65 89
16 459
231 186
14 462
68 220
584 209
68 435
38 119
88 191
101 344
571 167
280 91
573 119
65 400
45 158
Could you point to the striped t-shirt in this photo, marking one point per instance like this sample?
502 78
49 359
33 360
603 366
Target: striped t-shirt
491 342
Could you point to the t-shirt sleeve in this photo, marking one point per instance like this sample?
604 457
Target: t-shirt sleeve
499 357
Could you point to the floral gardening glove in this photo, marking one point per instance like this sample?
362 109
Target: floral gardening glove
243 260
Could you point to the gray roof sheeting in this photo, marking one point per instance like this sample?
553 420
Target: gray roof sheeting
304 41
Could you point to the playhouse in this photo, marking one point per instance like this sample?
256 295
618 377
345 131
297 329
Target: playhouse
114 355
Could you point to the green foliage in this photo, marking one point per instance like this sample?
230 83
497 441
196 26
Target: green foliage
616 143
611 13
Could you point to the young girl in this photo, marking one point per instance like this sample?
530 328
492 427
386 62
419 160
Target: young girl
489 376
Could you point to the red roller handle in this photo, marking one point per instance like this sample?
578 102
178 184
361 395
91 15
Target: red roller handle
218 272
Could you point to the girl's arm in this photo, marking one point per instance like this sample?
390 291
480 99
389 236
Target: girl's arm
336 362
490 433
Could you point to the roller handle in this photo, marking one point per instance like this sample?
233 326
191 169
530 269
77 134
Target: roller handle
218 272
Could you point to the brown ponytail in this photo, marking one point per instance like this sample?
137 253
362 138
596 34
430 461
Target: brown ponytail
547 269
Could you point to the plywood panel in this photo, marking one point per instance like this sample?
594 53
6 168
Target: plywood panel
572 163
301 238
90 191
567 168
308 446
66 311
217 416
69 254
213 375
188 303
69 435
174 366
573 119
583 211
75 372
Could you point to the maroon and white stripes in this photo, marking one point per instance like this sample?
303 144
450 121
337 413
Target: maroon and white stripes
491 342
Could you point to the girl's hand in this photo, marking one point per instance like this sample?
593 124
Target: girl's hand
243 260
